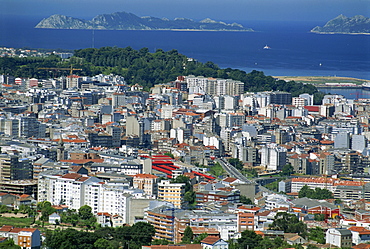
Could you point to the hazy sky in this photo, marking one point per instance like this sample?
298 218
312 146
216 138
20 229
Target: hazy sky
305 10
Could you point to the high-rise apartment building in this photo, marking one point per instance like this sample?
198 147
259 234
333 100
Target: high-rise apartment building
171 192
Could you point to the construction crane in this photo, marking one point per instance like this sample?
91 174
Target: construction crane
71 69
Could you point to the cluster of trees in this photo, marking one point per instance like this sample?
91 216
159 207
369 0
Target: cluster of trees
317 193
189 196
83 217
147 69
236 163
9 244
133 237
240 166
249 239
289 223
287 170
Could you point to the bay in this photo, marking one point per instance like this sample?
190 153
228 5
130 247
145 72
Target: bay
294 50
348 93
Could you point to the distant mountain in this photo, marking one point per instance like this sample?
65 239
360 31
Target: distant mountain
129 21
345 25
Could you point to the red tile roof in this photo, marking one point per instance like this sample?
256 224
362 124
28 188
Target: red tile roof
210 240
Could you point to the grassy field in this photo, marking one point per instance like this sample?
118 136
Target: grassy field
16 222
322 79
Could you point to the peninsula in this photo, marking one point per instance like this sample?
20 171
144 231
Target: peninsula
345 25
129 21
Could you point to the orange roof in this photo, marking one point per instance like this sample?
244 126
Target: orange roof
29 229
229 179
16 230
71 176
210 240
361 246
6 228
72 140
105 214
145 176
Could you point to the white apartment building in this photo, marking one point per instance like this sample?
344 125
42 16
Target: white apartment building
298 102
68 189
319 182
115 201
75 190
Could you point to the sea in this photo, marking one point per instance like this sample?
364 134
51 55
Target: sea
294 51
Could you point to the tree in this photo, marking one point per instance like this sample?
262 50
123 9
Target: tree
87 218
9 244
188 236
316 193
304 191
319 217
102 244
317 234
183 179
287 170
85 213
142 233
236 163
199 238
71 217
289 223
46 210
3 209
69 239
245 200
189 197
249 239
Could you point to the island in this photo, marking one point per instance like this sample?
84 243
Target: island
345 25
129 21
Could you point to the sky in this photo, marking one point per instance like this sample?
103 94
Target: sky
221 10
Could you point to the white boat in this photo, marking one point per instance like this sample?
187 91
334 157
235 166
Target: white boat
366 86
266 47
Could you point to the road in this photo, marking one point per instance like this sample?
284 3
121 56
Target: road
233 172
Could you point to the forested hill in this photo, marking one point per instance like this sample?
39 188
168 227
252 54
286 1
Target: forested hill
145 68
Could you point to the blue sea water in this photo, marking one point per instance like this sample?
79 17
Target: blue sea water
294 50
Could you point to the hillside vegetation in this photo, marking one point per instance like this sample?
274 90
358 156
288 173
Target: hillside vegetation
146 68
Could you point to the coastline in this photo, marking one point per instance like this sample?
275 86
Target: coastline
197 30
320 80
338 33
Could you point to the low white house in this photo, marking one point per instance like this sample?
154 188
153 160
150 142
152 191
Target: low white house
213 242
53 218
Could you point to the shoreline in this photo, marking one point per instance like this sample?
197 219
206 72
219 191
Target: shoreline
196 30
319 80
338 33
